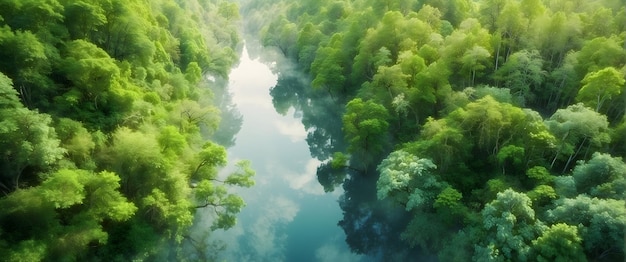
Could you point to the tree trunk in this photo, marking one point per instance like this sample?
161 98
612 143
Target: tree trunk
558 151
573 155
497 55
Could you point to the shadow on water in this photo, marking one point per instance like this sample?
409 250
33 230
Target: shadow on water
231 119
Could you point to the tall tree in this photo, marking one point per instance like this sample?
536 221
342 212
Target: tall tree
601 223
365 127
523 74
575 128
600 87
510 226
560 242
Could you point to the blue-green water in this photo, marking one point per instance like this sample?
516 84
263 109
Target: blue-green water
288 216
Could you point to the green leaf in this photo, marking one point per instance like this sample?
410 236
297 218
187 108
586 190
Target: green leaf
64 189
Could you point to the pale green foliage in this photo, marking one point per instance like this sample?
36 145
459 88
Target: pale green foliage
77 140
408 180
559 243
382 58
601 222
511 23
205 190
512 153
601 86
63 189
213 193
391 79
442 141
542 194
522 74
211 156
190 115
365 124
598 54
474 61
55 231
510 226
469 41
602 176
26 141
575 127
8 95
193 73
540 174
449 198
98 191
339 160
492 122
401 105
136 158
177 215
171 141
502 95
225 205
28 250
565 186
242 176
105 199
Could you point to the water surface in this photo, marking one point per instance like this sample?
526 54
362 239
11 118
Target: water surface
288 216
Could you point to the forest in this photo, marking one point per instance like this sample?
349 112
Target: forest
496 128
110 135
484 130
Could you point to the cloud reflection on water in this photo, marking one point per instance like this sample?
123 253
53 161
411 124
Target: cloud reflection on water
287 208
331 251
267 236
307 181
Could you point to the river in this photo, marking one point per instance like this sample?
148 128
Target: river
288 216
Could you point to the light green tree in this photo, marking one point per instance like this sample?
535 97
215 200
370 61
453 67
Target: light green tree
600 223
575 128
28 145
64 216
560 242
602 176
365 126
510 225
475 60
523 75
600 87
408 180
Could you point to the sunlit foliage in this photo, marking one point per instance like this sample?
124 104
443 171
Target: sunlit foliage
104 108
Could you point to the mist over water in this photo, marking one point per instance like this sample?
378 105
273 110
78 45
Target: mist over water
288 216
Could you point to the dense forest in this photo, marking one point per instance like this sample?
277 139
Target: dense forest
109 128
490 130
496 127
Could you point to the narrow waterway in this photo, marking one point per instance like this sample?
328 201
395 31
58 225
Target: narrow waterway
288 216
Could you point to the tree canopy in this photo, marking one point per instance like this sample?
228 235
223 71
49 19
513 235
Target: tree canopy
519 104
104 110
